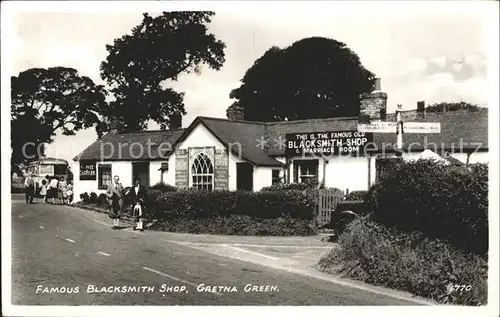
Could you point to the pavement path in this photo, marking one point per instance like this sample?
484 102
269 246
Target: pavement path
57 246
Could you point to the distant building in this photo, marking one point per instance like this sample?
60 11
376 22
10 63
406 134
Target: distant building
231 154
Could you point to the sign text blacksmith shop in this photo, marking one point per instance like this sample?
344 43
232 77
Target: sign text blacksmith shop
338 142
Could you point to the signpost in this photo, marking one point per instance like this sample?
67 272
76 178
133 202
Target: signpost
399 127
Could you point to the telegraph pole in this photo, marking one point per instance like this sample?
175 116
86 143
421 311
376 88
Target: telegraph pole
399 131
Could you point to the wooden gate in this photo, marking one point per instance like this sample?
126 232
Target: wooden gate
328 200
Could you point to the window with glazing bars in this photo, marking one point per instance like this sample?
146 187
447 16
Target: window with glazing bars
202 172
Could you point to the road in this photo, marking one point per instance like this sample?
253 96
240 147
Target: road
58 246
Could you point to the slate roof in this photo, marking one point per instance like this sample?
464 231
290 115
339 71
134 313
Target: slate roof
470 127
238 134
112 142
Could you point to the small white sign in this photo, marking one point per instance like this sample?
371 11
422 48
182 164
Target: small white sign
379 127
422 127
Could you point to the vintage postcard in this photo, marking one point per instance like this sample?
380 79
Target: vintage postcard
269 158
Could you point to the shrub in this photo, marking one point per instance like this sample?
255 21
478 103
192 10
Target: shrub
449 203
239 225
282 187
357 195
85 197
163 187
372 253
93 198
102 200
199 204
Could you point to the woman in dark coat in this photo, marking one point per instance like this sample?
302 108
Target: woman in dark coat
136 196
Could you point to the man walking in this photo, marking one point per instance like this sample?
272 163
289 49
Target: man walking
115 200
29 188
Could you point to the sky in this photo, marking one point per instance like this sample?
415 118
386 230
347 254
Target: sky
420 52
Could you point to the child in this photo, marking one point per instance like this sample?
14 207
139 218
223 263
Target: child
43 191
69 193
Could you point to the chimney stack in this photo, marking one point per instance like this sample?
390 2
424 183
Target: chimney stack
373 105
235 112
421 109
377 85
175 121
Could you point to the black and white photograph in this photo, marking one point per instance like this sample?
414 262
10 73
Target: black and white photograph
243 157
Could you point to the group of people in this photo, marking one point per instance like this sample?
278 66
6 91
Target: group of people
54 188
116 195
50 188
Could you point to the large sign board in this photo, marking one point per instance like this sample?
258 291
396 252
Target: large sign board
329 143
88 171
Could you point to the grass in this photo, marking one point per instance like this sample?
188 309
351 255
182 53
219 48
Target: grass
374 254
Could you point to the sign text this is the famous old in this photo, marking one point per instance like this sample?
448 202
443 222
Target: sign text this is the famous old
337 142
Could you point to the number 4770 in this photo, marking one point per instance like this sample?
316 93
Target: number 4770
459 288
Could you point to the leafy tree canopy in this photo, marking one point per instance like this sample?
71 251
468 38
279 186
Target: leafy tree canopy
451 106
159 49
47 100
312 78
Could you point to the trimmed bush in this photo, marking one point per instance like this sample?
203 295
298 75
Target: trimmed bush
357 195
239 225
85 197
163 187
93 199
448 203
200 204
102 200
372 253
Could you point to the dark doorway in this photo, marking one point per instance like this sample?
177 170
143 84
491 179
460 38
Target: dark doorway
244 176
141 170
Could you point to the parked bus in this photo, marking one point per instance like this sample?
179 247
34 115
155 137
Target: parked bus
47 166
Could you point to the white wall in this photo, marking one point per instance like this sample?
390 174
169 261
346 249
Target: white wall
202 137
478 157
122 169
262 177
347 172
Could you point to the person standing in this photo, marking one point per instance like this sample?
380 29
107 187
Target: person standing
63 188
115 200
29 188
70 192
43 190
54 189
136 195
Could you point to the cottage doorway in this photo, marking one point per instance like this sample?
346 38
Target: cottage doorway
244 176
141 170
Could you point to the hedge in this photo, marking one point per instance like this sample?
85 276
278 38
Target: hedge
448 203
210 204
278 213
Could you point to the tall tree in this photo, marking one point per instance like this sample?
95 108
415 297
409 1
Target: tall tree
312 78
452 106
47 100
159 49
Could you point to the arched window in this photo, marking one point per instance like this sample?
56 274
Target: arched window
202 172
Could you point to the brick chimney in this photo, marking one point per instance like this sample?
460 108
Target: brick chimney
421 109
373 105
235 112
175 121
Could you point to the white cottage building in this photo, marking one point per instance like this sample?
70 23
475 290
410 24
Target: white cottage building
233 154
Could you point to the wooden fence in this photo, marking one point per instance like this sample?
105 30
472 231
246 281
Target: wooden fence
327 201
